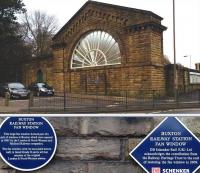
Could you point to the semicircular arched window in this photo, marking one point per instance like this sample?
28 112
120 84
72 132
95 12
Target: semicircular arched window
97 48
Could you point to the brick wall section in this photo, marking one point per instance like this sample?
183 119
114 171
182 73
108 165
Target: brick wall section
100 145
140 44
31 68
183 79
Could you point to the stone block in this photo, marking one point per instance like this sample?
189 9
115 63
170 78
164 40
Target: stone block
64 126
192 123
158 120
114 168
7 171
63 167
3 164
106 126
2 119
88 149
130 145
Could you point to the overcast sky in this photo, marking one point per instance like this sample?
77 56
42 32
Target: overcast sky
187 21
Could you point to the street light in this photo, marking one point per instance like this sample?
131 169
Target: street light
190 60
174 42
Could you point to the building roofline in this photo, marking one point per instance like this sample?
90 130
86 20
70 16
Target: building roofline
109 5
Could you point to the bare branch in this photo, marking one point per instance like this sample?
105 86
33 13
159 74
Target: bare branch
41 28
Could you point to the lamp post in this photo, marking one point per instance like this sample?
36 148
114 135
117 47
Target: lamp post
174 43
190 60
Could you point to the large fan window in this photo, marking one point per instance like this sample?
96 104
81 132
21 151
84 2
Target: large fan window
98 48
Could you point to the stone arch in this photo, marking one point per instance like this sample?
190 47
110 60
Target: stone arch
90 51
84 32
83 77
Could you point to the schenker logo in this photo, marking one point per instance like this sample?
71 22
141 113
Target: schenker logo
157 170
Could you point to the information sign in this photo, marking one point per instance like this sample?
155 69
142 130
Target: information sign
27 143
169 148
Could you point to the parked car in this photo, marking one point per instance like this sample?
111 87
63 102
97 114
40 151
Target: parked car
41 89
15 89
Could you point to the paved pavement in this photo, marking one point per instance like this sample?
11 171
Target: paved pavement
14 106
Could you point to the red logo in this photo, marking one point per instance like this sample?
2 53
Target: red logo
155 170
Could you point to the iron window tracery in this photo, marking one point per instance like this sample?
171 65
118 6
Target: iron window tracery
97 48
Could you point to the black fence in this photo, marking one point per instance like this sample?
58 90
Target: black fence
125 101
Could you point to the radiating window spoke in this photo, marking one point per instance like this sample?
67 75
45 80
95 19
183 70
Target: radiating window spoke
98 48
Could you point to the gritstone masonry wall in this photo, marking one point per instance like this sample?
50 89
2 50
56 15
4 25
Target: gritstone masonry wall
100 145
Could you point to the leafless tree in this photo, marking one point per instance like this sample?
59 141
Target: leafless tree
38 29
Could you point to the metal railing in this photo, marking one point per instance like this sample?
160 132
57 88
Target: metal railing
125 101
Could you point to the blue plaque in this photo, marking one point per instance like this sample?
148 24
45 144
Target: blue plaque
169 148
27 143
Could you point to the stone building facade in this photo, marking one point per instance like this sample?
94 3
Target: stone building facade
38 69
139 36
